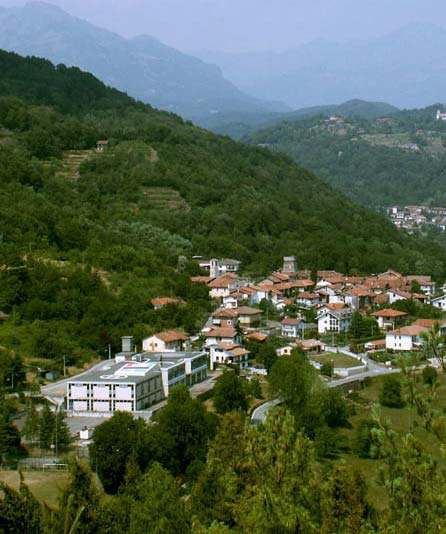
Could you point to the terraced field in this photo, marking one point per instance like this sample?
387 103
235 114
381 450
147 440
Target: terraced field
69 166
164 198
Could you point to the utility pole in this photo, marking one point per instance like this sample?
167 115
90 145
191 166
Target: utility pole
64 366
57 424
109 351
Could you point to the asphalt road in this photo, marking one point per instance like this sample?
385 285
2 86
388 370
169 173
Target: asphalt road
59 389
259 414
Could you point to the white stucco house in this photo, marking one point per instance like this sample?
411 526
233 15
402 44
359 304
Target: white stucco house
334 320
290 327
223 286
406 338
387 318
217 335
439 302
228 354
169 341
395 295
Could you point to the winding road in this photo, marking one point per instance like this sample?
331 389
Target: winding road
374 369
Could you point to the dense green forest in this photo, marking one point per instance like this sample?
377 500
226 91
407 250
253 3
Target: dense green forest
88 239
400 160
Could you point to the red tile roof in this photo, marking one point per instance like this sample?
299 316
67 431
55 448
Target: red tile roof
281 276
412 330
335 305
291 321
307 295
223 281
303 283
221 332
389 313
239 351
172 335
162 301
427 323
201 279
225 312
257 336
246 310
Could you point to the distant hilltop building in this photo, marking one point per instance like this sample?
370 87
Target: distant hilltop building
289 265
101 145
219 267
441 116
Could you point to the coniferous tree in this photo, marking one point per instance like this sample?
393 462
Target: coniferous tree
79 502
47 427
30 430
20 512
229 393
158 508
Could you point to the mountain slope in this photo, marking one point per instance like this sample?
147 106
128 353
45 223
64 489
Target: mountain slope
405 68
89 238
237 125
400 159
143 67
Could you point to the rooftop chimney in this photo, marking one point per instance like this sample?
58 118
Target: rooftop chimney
127 343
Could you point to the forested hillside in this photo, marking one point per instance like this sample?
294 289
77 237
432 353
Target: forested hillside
238 124
396 159
87 239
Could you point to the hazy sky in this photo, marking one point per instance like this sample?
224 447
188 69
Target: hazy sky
242 25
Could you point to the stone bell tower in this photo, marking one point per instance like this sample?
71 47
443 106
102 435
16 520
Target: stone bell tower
289 264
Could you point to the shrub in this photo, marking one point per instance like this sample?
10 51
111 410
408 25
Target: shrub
364 443
430 375
327 369
391 393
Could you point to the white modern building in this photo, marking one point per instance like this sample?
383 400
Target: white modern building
123 386
134 385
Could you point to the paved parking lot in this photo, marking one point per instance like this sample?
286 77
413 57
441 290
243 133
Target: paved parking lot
75 424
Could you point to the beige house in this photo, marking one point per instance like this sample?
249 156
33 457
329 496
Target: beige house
170 341
248 317
388 318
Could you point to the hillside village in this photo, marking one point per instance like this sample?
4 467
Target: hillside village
413 217
380 315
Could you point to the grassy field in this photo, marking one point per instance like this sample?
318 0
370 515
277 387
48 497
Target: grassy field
339 359
45 486
402 420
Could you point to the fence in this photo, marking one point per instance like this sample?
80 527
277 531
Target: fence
38 462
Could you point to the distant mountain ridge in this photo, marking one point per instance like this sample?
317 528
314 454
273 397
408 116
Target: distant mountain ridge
143 67
405 68
400 159
237 125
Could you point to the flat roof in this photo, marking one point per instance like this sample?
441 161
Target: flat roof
170 356
120 373
134 371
